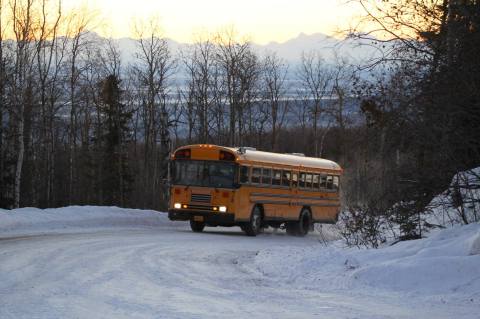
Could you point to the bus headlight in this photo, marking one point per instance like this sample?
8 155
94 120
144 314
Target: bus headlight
177 205
222 209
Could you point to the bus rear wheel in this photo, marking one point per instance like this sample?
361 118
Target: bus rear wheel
302 226
197 226
305 222
254 226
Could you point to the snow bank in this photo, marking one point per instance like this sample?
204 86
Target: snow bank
30 221
444 266
459 204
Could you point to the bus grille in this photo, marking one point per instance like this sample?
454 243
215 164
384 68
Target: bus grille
201 198
200 207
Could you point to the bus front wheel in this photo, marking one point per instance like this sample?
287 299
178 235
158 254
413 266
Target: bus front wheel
254 226
197 226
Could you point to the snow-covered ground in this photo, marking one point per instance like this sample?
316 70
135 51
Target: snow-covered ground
107 262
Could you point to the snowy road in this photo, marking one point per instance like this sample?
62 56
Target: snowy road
170 272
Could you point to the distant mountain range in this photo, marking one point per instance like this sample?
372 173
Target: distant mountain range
290 50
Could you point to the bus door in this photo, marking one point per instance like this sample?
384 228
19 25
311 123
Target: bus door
294 189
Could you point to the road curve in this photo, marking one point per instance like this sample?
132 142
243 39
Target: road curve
168 273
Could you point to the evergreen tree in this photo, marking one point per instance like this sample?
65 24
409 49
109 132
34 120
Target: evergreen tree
116 178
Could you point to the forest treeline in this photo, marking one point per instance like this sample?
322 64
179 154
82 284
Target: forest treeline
81 126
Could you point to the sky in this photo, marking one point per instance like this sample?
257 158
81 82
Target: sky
262 21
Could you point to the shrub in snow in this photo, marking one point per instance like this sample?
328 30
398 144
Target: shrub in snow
371 225
460 203
363 226
408 217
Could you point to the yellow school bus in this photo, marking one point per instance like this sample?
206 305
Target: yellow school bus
225 186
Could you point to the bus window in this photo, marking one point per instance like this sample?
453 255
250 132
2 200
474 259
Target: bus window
294 179
256 174
266 176
244 174
286 178
308 181
277 177
335 182
301 181
323 181
316 181
183 172
329 182
219 175
204 173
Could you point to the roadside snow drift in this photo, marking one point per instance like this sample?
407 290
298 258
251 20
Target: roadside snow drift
447 264
28 221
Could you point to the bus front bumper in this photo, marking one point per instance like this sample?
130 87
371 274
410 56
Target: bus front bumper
212 218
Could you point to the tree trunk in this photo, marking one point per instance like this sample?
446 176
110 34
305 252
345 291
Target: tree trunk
21 151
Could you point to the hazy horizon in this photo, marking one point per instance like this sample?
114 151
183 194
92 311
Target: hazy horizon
186 20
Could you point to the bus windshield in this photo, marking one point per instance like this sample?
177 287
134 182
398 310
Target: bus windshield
203 173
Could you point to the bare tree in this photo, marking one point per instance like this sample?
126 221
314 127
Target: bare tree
2 107
239 67
78 24
110 58
250 87
22 82
315 78
203 93
154 67
395 27
273 77
343 75
50 50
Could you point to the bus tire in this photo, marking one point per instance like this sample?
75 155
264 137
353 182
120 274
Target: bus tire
254 226
197 227
302 226
304 222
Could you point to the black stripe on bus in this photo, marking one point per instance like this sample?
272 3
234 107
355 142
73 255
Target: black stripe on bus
293 203
295 196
